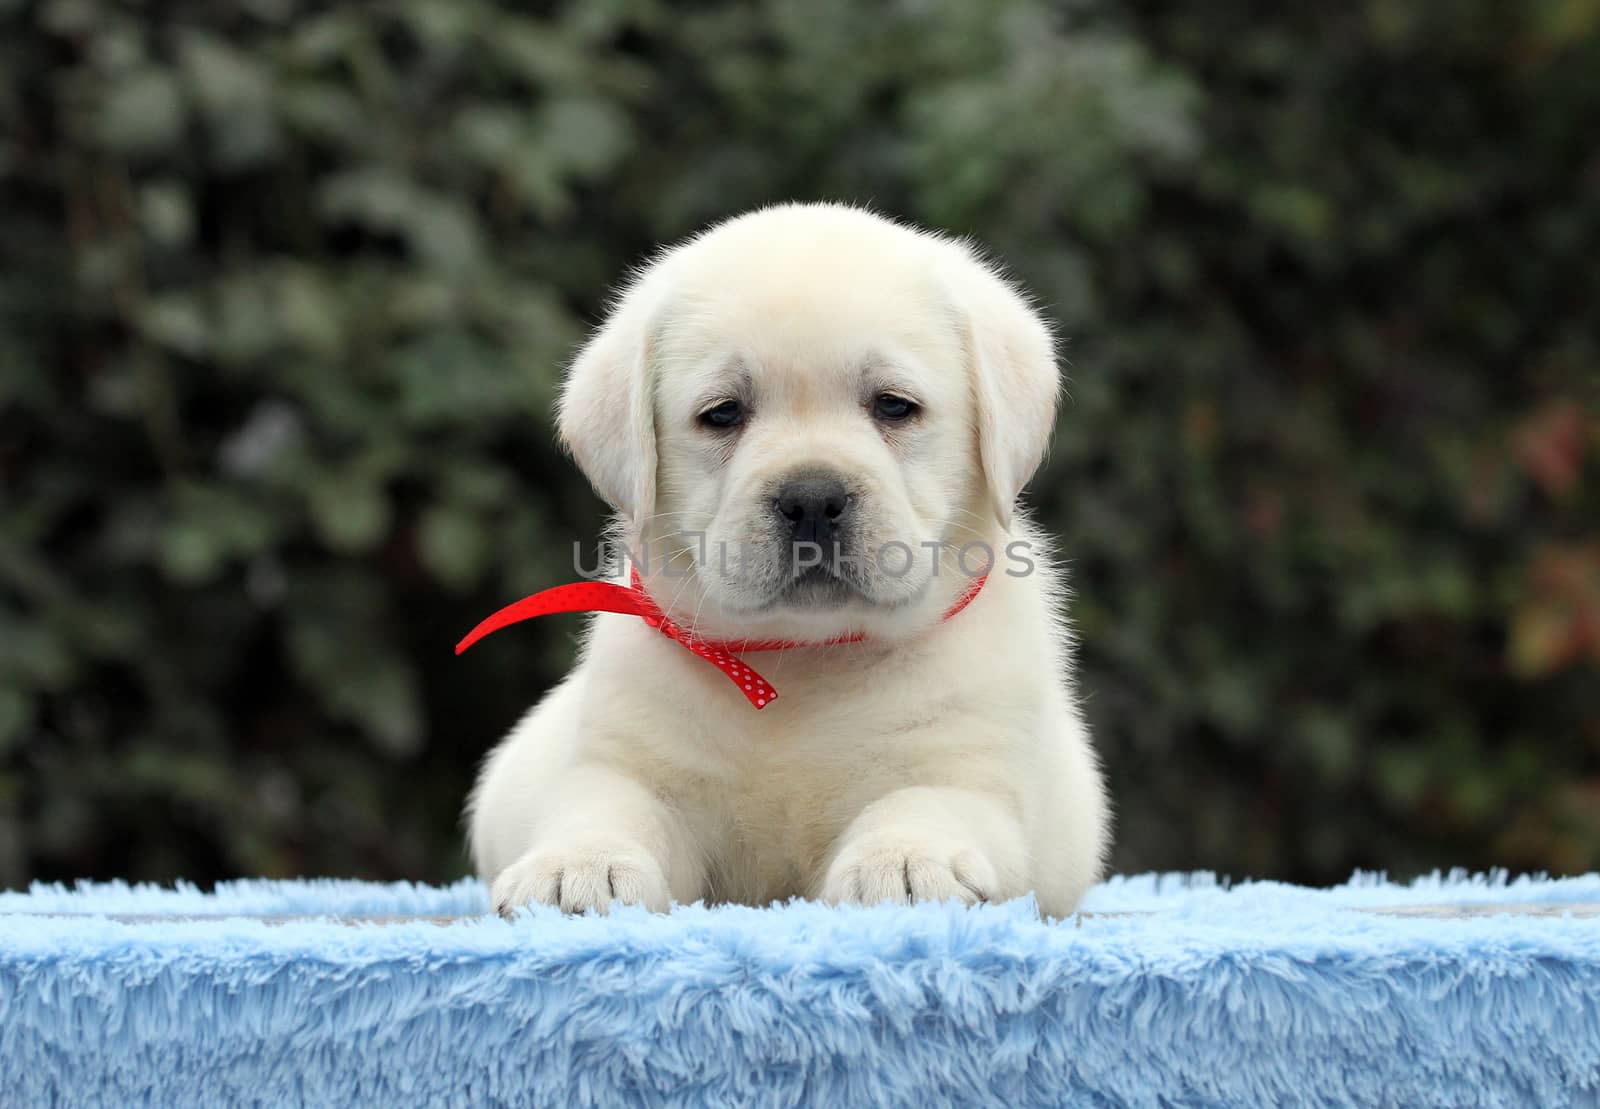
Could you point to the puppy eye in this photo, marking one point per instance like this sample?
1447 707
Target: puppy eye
894 409
730 413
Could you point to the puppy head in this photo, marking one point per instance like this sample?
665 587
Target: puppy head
803 413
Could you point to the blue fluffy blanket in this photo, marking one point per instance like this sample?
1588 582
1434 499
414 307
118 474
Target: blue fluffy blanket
1176 991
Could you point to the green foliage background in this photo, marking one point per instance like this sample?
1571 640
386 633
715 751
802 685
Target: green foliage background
286 287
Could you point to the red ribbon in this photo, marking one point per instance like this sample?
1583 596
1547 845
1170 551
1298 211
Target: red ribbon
632 600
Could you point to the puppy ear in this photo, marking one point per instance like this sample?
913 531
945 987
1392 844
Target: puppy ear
606 416
1012 353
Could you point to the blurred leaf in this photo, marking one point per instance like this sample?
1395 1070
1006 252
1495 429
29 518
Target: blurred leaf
178 322
309 312
587 137
191 553
1333 751
246 327
142 113
166 213
350 510
208 525
1558 622
1551 444
453 545
443 232
35 655
235 95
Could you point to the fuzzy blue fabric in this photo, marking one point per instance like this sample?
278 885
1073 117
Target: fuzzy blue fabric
1178 992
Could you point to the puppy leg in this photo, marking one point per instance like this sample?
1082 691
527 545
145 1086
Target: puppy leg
604 837
927 843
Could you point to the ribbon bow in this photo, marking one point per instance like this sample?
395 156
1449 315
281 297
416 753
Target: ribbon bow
632 600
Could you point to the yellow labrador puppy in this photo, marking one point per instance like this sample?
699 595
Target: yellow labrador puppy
814 424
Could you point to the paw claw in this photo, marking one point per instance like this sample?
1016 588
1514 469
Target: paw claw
903 873
579 879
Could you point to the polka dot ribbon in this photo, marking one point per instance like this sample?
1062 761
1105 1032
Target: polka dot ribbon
632 600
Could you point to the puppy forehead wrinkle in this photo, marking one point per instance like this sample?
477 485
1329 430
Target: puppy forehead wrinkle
723 378
772 331
806 292
886 337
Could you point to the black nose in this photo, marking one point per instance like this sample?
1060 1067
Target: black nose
815 505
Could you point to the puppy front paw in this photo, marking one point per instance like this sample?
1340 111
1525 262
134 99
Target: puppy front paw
576 879
900 870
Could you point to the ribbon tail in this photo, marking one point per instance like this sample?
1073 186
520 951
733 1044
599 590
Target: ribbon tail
756 689
587 597
607 597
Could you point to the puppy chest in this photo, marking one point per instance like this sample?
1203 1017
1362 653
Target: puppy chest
778 828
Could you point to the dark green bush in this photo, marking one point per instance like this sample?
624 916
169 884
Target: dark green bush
286 287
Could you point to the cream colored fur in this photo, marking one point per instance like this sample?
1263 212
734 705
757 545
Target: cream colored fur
932 760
